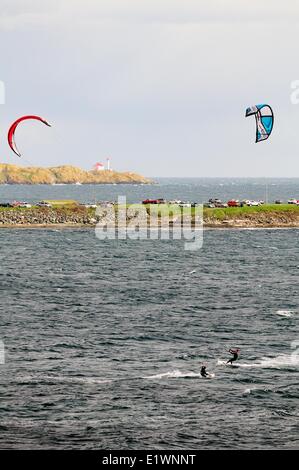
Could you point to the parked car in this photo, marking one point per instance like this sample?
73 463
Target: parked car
15 204
253 203
20 204
5 204
292 201
278 201
209 205
43 204
154 201
215 201
175 201
233 203
90 205
104 204
244 202
185 204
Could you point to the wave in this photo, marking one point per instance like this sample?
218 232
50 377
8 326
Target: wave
285 313
288 391
61 379
177 374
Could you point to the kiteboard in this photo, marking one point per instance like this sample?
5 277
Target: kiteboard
224 363
209 376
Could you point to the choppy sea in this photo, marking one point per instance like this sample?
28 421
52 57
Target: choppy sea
102 340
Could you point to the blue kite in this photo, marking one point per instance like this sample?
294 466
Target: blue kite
264 119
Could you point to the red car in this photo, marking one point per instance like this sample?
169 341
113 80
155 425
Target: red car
233 203
153 201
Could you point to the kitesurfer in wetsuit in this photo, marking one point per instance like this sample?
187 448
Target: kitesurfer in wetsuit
235 353
203 371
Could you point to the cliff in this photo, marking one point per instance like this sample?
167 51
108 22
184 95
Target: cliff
66 174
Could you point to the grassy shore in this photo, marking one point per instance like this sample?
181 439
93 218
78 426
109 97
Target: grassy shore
267 215
221 213
233 212
71 213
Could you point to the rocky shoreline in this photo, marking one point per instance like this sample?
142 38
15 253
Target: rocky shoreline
46 217
82 217
275 219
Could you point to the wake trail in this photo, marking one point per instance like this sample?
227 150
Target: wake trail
279 362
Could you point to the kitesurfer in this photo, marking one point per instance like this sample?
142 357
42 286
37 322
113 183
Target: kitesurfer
203 371
235 353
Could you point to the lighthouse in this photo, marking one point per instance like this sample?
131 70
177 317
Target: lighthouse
108 164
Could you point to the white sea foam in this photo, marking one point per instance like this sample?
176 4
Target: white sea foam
282 361
176 374
285 313
278 362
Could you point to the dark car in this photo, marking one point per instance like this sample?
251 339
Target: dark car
215 201
43 204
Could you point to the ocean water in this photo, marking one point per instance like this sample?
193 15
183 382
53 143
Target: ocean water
104 341
193 189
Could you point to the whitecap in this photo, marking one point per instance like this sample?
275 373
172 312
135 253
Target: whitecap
285 313
175 374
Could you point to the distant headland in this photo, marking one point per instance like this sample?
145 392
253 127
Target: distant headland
65 174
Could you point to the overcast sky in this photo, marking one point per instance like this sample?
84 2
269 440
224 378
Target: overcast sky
160 86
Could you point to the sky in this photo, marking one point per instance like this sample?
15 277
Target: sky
159 86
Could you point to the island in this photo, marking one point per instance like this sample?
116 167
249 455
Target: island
65 174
